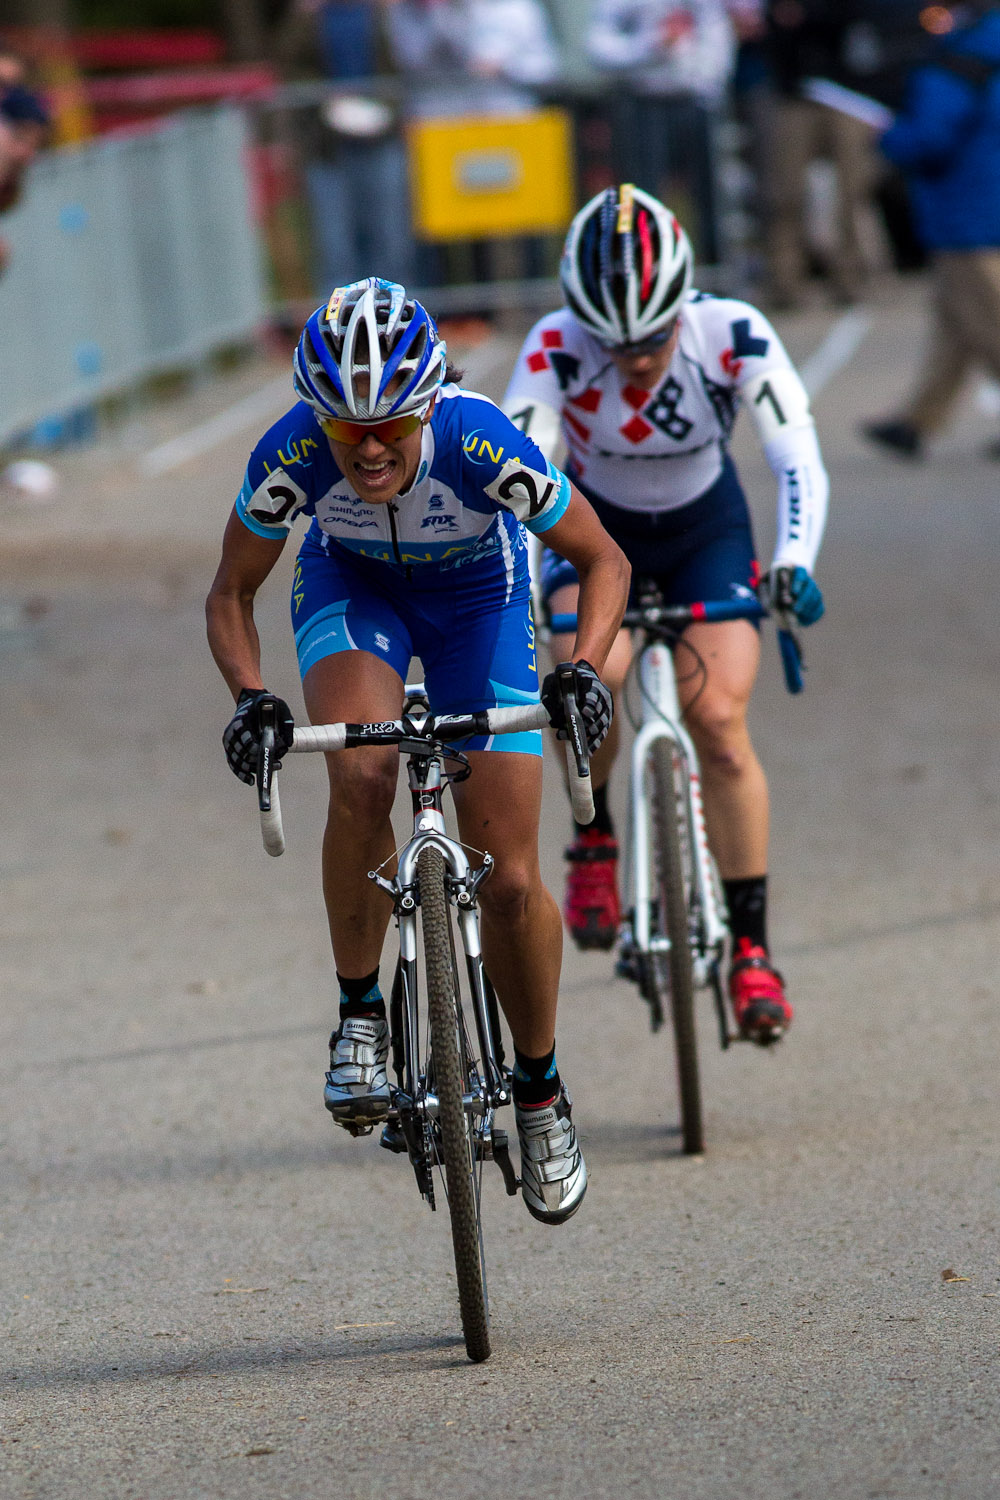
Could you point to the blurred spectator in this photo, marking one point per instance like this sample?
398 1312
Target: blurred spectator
472 57
24 121
11 69
947 140
465 45
512 40
676 58
812 39
355 169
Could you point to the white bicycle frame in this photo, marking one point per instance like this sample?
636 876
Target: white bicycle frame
661 720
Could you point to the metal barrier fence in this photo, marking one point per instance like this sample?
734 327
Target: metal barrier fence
129 256
145 253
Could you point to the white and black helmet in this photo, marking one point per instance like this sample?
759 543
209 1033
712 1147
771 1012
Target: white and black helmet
626 266
372 330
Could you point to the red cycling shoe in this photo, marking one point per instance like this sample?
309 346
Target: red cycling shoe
757 991
591 909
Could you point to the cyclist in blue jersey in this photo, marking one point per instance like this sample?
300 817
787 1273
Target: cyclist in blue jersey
418 493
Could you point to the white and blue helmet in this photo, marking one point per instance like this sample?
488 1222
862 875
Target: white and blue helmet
369 329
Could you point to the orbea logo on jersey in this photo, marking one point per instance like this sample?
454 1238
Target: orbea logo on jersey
475 446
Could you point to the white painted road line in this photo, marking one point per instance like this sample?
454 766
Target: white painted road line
837 349
270 400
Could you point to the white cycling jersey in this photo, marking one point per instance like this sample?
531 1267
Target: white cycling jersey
659 449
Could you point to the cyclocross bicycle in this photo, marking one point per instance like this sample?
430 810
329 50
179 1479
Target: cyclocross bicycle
673 938
446 1046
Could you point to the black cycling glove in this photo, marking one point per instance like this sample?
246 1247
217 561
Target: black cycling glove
241 736
593 699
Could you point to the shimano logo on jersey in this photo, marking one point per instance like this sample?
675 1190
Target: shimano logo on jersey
381 641
342 513
436 502
440 523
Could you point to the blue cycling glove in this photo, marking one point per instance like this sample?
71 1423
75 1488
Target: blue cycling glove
797 592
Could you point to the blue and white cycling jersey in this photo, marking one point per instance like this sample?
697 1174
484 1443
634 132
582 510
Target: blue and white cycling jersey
478 479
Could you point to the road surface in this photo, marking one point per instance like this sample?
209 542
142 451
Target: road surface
210 1291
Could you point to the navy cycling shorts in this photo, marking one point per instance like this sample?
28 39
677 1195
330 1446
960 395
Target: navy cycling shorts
475 636
699 552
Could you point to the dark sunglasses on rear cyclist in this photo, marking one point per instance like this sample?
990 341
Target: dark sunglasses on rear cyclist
356 432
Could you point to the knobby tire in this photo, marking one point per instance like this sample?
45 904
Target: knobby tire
456 1126
668 799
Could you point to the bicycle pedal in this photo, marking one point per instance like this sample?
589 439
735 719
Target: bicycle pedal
354 1128
392 1138
501 1155
627 967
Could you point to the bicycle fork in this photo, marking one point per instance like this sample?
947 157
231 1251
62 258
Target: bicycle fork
662 721
415 1105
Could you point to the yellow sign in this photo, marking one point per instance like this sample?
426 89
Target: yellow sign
491 176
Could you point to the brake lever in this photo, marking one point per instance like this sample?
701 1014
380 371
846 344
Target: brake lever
266 764
581 793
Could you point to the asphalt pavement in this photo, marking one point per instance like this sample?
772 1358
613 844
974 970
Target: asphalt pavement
210 1291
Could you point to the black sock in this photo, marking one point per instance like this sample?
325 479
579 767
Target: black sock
747 902
361 997
536 1079
602 816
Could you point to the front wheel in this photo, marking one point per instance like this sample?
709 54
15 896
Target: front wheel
462 1171
674 883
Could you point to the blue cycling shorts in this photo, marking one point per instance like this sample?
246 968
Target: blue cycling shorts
475 639
699 552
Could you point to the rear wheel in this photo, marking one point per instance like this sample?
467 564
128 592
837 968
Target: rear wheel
462 1171
674 881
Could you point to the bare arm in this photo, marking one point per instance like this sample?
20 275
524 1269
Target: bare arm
247 559
604 574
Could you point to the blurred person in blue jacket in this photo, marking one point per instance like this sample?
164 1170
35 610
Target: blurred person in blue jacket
946 139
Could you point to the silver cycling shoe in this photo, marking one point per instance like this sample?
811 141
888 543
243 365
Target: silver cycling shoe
553 1171
357 1088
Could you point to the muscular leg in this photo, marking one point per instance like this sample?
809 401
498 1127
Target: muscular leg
563 601
356 687
735 790
498 810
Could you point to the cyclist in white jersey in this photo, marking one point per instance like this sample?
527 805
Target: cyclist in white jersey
642 378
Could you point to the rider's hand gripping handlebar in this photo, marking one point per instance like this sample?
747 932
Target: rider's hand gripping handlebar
577 755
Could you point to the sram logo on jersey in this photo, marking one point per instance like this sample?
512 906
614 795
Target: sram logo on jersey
275 501
522 490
